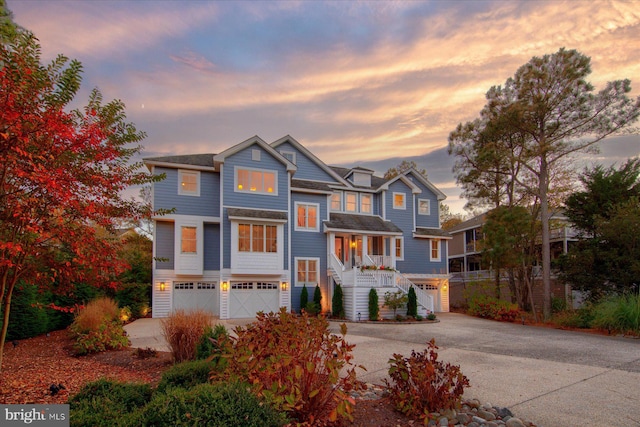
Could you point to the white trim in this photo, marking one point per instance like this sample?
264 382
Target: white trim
179 217
346 200
307 228
287 153
428 206
236 169
404 200
182 191
295 271
188 263
341 194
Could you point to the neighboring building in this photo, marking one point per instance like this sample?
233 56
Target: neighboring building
465 252
254 224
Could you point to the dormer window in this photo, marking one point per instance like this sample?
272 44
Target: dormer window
362 179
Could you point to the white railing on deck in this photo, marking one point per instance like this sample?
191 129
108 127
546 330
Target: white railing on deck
379 260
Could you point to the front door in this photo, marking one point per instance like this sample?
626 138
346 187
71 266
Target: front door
339 244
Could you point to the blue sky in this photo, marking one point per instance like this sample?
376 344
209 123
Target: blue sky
358 83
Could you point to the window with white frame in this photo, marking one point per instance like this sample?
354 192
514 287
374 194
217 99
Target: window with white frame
188 183
256 181
336 201
188 240
289 155
399 248
435 250
257 238
399 201
365 203
307 216
424 207
352 202
307 271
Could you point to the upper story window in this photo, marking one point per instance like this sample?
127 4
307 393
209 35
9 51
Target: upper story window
435 250
352 202
188 240
289 155
336 201
188 183
365 203
307 216
424 207
257 238
256 181
399 201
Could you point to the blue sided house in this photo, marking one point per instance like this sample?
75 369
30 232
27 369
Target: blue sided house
252 225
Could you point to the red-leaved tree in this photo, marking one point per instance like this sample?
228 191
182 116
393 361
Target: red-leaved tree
62 174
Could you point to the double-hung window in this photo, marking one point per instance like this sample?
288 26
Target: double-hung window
336 201
307 271
188 240
399 201
399 248
365 203
352 202
435 250
188 183
256 181
307 216
424 207
257 238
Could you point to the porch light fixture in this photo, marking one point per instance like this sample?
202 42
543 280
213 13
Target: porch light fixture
225 286
353 244
283 286
444 287
163 286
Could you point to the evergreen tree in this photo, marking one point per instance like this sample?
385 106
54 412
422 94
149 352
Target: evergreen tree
304 298
412 303
374 309
317 298
337 303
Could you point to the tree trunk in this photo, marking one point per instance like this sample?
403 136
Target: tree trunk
6 300
546 246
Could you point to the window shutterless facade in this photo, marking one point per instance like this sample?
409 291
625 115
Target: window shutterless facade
365 203
435 250
336 201
352 202
307 271
188 240
399 201
256 181
188 183
257 238
307 216
424 207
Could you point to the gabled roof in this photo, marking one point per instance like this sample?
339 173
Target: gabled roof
361 223
475 222
439 194
414 188
218 159
376 181
188 161
309 155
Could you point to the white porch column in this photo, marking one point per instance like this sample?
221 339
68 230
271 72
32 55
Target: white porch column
393 251
365 248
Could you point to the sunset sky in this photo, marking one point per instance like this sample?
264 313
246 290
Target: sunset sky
357 83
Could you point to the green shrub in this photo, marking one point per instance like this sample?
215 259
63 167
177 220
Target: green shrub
374 309
182 330
431 316
558 305
108 403
338 303
97 328
580 318
27 317
412 303
135 296
186 374
421 384
317 298
213 405
395 301
296 364
206 347
492 308
618 314
304 298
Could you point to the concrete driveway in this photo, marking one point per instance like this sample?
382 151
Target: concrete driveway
552 377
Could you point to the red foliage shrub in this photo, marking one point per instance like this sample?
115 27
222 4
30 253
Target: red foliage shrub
421 384
493 308
294 362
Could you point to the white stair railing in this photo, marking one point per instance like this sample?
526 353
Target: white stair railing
423 298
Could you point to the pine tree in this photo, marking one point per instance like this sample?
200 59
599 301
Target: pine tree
412 303
337 303
374 309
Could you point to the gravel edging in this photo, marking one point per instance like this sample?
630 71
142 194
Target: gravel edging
472 413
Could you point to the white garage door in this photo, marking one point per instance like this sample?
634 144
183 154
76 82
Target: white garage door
248 298
196 295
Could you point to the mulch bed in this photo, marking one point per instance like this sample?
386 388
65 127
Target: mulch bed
33 365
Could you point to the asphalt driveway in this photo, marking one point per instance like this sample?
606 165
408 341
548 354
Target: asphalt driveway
552 377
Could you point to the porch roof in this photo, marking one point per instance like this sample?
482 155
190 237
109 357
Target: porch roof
362 223
431 232
237 213
311 185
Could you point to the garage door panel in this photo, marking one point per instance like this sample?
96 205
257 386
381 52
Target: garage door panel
248 298
196 295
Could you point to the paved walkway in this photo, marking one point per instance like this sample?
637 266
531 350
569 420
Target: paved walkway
555 378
